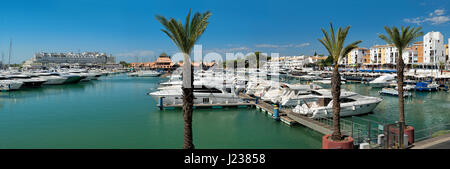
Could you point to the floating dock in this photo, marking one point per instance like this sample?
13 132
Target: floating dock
214 106
284 115
310 123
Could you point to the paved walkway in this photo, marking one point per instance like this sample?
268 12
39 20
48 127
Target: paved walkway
440 142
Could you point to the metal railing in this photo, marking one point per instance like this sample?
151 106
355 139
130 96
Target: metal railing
360 129
426 133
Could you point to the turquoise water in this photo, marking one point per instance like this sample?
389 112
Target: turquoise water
423 110
115 112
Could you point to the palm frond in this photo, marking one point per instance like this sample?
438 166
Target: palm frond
401 38
335 43
185 36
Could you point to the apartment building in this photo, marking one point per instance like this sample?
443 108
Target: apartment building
378 54
433 48
356 56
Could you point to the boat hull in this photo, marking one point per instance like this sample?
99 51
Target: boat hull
72 80
10 85
55 81
346 110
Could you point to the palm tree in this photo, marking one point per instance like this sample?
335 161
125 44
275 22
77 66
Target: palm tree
184 37
415 68
335 46
401 39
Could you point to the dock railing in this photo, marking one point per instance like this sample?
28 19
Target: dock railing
360 129
430 132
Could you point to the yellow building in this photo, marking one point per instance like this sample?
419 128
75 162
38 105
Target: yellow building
378 53
446 51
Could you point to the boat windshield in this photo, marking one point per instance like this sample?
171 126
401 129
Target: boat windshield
204 89
346 100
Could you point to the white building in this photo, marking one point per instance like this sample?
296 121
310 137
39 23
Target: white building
83 58
433 49
356 56
391 54
408 56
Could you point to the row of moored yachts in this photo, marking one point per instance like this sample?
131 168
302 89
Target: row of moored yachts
311 100
15 80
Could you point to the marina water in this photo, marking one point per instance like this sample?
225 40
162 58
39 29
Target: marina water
115 112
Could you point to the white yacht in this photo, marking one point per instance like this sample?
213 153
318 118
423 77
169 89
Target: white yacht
27 80
276 94
350 106
327 81
8 84
382 81
52 78
145 73
393 92
71 78
295 98
203 95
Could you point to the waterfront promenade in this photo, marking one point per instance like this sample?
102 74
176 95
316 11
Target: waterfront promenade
439 142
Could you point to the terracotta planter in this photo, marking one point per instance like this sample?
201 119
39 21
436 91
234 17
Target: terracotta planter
409 130
330 144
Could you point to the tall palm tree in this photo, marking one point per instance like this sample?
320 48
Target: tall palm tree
184 37
401 39
335 46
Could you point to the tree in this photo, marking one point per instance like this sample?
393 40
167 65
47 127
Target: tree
257 55
124 64
335 47
401 39
329 61
441 66
184 37
415 68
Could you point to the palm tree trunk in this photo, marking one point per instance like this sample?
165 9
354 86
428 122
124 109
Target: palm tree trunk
336 92
400 66
188 103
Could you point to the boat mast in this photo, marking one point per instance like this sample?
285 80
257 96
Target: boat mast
3 61
9 53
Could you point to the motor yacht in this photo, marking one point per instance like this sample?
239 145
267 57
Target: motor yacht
7 84
382 81
393 92
27 81
295 98
52 78
145 73
350 106
202 95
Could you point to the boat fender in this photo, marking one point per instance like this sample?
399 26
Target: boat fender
353 107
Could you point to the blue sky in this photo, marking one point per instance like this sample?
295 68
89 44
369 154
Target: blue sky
128 29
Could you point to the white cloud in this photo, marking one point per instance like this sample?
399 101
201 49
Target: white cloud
439 11
302 45
417 20
282 46
139 53
435 18
228 50
266 46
